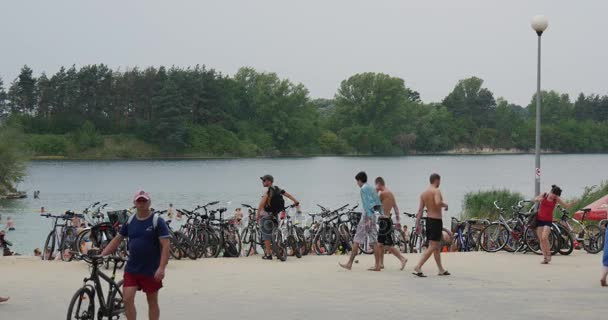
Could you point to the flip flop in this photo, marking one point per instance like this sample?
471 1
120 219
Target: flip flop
419 274
445 273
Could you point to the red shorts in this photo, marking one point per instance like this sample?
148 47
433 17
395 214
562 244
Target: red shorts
143 282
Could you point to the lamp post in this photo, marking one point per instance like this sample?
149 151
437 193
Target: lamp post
539 24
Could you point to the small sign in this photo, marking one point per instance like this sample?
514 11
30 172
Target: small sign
538 172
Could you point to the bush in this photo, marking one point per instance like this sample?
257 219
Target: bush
86 137
480 204
48 144
591 194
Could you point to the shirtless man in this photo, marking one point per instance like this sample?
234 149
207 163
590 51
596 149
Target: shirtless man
385 234
432 200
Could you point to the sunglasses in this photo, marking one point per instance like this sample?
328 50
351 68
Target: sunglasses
141 200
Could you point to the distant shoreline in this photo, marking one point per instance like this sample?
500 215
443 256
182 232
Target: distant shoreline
453 152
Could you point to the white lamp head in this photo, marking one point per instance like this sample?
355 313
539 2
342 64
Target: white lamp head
540 24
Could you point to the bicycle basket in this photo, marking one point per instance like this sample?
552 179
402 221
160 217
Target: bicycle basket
102 234
118 216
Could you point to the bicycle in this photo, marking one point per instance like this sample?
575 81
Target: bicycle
225 236
589 235
251 233
288 233
64 237
110 306
327 237
465 234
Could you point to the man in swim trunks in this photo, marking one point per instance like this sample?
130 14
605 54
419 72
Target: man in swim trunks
385 223
432 200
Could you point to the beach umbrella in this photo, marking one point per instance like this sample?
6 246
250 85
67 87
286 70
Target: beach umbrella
599 210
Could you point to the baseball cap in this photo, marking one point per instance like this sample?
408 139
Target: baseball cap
141 195
267 177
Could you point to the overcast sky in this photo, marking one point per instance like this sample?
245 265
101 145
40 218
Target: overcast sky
431 44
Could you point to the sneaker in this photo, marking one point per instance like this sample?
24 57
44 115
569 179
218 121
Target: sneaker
265 257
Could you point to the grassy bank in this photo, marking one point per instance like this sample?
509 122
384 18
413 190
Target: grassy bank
60 147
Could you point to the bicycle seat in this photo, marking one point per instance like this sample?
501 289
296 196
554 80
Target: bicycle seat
586 210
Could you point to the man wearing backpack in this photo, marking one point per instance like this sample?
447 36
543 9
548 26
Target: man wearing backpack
270 206
148 255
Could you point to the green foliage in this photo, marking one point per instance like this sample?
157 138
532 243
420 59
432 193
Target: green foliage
480 204
590 195
48 144
86 137
72 112
12 158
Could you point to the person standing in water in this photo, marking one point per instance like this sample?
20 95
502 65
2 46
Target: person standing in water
432 200
386 229
546 205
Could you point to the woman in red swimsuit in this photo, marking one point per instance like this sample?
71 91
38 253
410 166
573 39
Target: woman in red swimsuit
547 203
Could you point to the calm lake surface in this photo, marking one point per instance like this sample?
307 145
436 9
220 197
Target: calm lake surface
328 181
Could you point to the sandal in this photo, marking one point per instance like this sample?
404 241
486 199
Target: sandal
419 274
445 273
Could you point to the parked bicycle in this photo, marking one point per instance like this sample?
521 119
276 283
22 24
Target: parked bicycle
589 235
111 306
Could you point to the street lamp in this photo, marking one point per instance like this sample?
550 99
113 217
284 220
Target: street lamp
539 24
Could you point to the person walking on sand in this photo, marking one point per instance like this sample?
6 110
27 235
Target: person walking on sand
366 229
544 219
270 206
432 200
386 229
148 256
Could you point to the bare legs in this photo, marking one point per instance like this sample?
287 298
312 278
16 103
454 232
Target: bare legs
128 297
129 301
603 279
267 248
434 249
351 258
380 256
153 308
543 238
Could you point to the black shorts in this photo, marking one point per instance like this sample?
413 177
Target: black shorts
385 231
544 223
434 229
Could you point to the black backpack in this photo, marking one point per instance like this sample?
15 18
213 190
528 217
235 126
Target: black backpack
276 203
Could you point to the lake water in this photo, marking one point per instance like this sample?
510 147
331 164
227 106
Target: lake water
328 181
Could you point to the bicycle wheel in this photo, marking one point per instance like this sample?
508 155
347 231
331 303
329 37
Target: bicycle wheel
326 241
531 240
116 307
493 237
302 241
186 246
367 246
49 247
82 306
174 247
64 246
82 241
593 241
278 246
566 241
296 249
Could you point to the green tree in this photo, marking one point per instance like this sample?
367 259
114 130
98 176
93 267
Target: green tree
22 92
12 158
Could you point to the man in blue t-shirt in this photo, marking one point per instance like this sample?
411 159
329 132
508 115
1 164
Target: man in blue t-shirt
148 256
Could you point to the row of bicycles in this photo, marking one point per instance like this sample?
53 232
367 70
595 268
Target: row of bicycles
514 231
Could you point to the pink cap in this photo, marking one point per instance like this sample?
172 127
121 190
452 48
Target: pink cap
141 195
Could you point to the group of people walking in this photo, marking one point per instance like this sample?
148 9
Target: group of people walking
381 201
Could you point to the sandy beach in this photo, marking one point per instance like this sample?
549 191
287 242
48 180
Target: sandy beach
482 285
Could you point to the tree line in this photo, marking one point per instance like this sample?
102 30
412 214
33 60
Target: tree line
199 111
